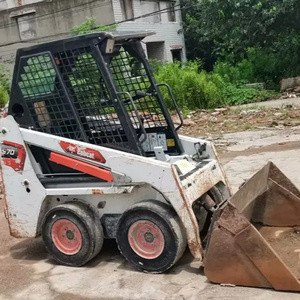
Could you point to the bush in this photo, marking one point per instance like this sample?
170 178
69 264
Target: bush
156 64
4 86
268 66
194 88
4 96
89 26
261 65
243 72
4 78
237 95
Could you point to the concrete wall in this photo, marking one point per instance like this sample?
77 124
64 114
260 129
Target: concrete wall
4 4
168 32
39 21
26 22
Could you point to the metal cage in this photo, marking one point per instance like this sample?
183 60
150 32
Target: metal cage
97 88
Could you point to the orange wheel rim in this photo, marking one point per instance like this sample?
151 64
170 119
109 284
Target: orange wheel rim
146 239
66 237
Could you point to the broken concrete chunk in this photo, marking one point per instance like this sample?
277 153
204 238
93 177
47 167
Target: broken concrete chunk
289 83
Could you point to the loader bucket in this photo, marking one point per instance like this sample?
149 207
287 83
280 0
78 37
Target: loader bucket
255 236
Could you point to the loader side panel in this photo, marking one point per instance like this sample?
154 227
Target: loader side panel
23 192
182 182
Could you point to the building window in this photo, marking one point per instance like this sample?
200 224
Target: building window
150 8
176 55
171 12
127 9
26 23
156 50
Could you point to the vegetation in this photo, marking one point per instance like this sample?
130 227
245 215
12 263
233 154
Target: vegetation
262 35
4 86
229 43
237 42
220 80
194 87
89 26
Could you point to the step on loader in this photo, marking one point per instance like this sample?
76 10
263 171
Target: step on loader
89 152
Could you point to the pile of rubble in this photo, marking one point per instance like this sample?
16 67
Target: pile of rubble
291 93
209 124
290 87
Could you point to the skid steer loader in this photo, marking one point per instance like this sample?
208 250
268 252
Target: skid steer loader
89 151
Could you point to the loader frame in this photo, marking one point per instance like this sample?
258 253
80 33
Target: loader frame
89 151
179 183
89 142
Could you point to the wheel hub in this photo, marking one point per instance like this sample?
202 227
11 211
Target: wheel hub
66 237
70 234
146 239
149 237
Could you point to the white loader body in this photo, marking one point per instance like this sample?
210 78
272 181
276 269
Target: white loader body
178 181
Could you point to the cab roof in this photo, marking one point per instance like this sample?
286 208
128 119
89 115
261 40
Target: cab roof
114 34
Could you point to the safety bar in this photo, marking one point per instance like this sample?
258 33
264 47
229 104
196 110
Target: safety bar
137 115
174 102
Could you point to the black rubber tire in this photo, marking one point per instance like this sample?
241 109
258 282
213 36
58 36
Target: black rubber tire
215 195
97 228
89 226
164 217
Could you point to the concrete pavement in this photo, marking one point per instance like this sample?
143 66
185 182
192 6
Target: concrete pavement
26 272
272 103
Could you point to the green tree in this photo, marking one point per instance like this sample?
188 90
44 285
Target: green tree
226 29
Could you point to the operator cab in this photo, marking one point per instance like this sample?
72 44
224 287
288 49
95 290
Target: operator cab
97 88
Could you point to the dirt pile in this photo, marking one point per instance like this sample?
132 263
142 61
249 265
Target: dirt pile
205 123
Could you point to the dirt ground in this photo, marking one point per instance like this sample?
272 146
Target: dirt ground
26 272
